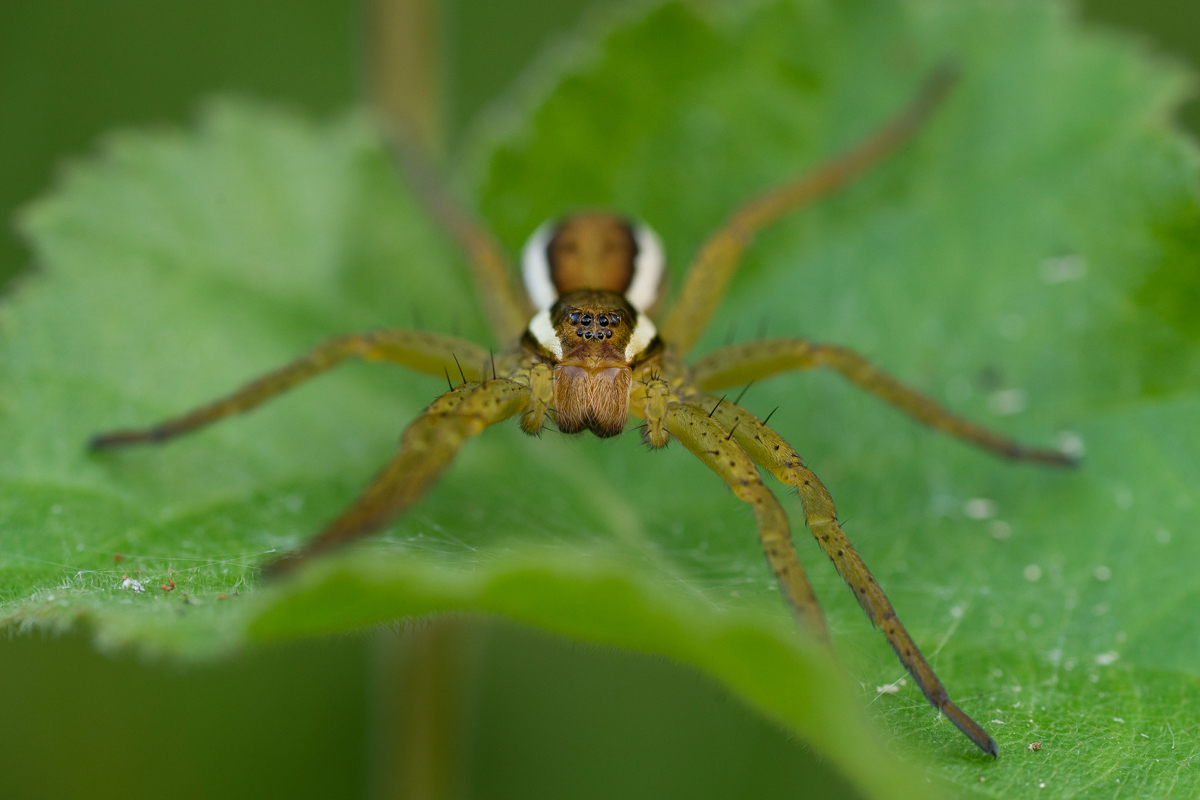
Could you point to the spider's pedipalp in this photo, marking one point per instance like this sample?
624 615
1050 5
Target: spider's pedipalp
657 399
541 394
593 250
768 449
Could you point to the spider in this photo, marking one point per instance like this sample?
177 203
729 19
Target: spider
584 350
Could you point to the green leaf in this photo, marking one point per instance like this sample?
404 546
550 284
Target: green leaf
1029 259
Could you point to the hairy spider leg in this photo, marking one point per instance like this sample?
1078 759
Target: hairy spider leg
768 449
507 308
426 352
427 447
713 267
750 361
711 442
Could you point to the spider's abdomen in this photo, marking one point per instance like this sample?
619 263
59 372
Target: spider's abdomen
593 250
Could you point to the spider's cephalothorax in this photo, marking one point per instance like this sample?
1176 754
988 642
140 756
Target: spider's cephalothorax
593 275
581 349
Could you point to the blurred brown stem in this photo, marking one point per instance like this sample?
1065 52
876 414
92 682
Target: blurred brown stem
406 69
422 729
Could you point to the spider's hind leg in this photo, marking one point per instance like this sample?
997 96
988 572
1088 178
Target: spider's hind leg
769 449
505 305
713 267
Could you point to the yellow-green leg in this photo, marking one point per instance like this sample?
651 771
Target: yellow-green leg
713 267
742 363
507 308
427 447
431 353
705 437
768 449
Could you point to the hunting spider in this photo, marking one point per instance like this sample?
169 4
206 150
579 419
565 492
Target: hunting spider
584 350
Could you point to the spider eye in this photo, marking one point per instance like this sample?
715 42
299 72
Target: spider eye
608 334
574 317
603 320
587 319
579 331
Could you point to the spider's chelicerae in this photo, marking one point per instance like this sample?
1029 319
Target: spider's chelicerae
584 351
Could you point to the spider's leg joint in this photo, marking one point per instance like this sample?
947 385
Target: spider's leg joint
541 392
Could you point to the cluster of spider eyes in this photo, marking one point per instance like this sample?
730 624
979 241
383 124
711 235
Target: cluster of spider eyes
605 320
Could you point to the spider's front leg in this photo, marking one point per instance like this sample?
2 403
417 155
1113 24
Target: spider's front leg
768 448
743 363
709 441
431 353
427 447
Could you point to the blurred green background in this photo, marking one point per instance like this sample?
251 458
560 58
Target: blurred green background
538 716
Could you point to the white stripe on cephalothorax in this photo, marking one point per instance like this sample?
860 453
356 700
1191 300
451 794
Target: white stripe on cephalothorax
543 330
535 267
647 268
643 334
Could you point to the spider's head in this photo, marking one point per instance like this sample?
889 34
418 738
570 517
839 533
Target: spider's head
593 275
